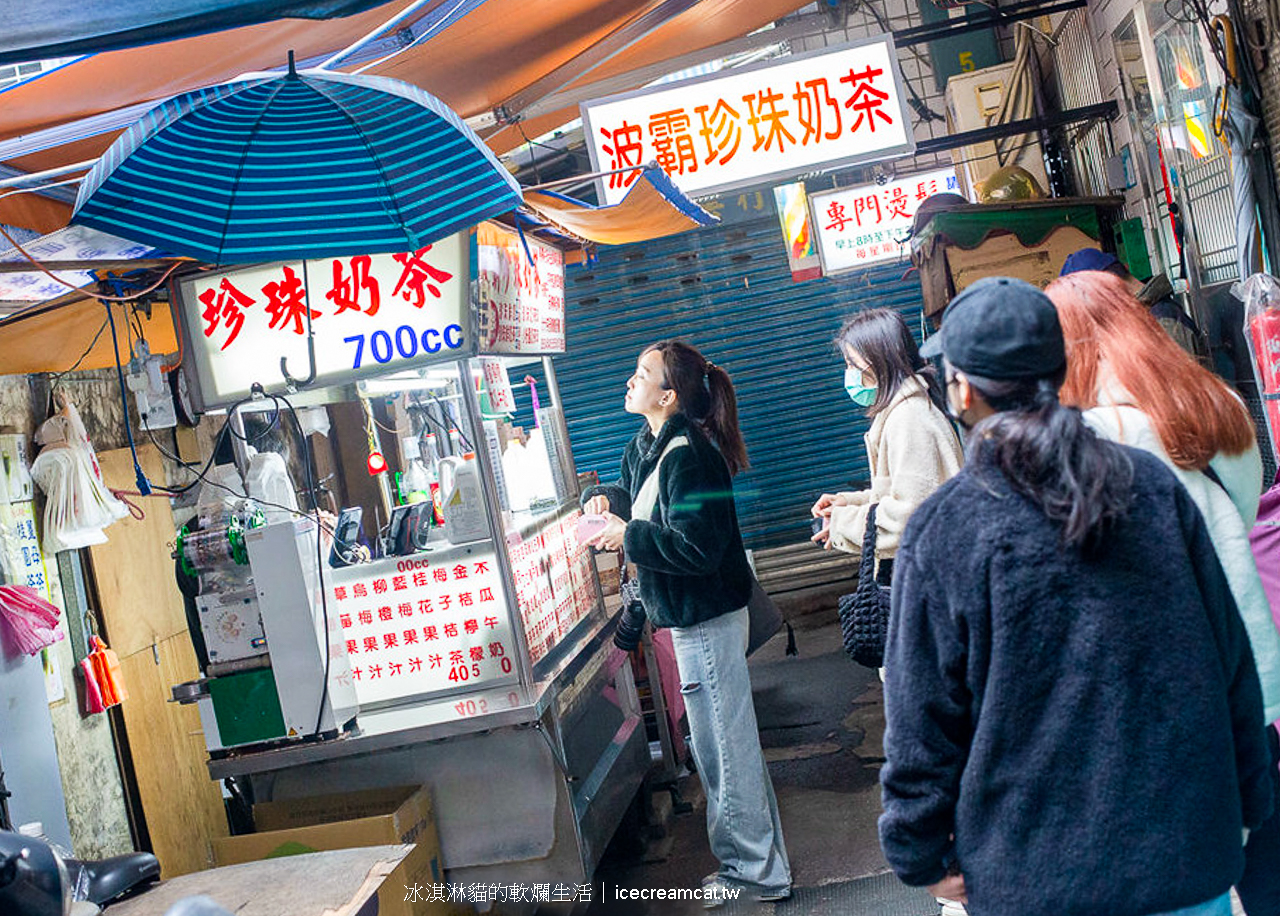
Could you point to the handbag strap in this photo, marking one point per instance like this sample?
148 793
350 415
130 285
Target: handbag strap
867 568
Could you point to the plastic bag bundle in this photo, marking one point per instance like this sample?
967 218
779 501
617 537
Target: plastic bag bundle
78 504
31 621
103 686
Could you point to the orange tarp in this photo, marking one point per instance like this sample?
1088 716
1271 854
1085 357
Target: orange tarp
52 338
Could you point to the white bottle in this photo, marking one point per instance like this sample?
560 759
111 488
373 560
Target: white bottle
415 482
464 515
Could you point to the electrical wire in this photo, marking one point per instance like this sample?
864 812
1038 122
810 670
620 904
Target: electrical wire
144 485
54 379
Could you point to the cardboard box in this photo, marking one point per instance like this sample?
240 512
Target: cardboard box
1004 256
370 818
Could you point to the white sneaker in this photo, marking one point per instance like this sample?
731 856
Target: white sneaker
951 907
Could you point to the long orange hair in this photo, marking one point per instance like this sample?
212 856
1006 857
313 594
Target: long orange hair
1193 411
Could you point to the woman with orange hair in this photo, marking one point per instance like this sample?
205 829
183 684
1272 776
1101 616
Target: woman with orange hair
1138 387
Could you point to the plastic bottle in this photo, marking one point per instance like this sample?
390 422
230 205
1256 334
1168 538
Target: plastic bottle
432 463
415 482
464 515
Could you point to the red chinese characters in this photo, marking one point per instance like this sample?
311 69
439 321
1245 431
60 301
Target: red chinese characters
720 131
672 142
763 109
418 277
224 306
866 100
625 146
346 292
287 303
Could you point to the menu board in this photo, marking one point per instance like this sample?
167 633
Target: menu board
554 584
424 624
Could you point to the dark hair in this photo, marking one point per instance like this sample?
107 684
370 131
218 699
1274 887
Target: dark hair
1049 455
882 338
705 395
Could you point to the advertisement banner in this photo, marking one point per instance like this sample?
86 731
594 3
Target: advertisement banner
369 314
802 113
521 292
793 214
864 225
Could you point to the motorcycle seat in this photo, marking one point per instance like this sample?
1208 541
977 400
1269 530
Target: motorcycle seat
118 875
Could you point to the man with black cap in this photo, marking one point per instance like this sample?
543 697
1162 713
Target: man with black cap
1156 294
1071 700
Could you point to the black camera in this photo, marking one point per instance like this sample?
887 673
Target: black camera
818 524
631 618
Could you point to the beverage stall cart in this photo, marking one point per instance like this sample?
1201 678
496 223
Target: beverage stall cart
466 633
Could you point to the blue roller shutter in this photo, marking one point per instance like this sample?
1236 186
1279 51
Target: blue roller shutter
728 290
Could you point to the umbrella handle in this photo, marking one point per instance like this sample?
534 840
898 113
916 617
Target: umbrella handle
293 383
296 383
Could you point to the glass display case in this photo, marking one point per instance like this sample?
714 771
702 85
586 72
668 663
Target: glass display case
456 585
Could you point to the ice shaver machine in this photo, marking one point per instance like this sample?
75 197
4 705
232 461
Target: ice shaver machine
253 597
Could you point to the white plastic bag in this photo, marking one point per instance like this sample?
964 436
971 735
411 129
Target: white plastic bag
78 504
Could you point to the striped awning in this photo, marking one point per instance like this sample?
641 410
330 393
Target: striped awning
311 164
652 208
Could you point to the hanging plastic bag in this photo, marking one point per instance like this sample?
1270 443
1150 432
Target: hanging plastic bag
106 671
92 695
31 622
78 504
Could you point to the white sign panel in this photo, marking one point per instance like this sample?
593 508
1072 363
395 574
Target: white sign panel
370 314
860 226
420 624
74 243
808 111
521 289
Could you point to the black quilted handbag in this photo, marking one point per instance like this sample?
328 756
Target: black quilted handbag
864 615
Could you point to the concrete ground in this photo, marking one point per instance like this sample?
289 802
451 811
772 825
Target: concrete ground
821 724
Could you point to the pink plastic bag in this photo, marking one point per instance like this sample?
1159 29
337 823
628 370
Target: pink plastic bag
31 621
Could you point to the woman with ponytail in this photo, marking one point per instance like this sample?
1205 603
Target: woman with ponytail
1137 386
1074 717
672 511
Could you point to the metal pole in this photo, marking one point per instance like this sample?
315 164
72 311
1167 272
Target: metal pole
471 408
391 23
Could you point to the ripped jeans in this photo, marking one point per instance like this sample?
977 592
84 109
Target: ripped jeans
742 812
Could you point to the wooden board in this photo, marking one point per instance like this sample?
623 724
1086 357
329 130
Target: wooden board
182 805
333 883
144 622
133 571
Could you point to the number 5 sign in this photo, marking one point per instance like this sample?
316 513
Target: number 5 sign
368 315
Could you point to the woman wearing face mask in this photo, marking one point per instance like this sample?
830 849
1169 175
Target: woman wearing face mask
673 511
911 446
1073 714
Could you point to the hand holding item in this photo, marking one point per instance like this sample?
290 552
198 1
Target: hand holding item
611 537
822 529
822 508
950 888
596 505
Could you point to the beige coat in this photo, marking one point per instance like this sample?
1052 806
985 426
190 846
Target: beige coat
912 449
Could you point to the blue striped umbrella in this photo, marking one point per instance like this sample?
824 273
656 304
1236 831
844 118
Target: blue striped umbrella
311 164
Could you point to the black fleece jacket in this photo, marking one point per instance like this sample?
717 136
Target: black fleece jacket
689 551
1087 728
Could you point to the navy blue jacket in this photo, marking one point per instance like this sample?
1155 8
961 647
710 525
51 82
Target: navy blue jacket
689 551
1088 729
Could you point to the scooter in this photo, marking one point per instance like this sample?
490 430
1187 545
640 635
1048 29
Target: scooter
35 879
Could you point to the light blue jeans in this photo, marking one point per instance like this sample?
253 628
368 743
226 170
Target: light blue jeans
742 812
1218 906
